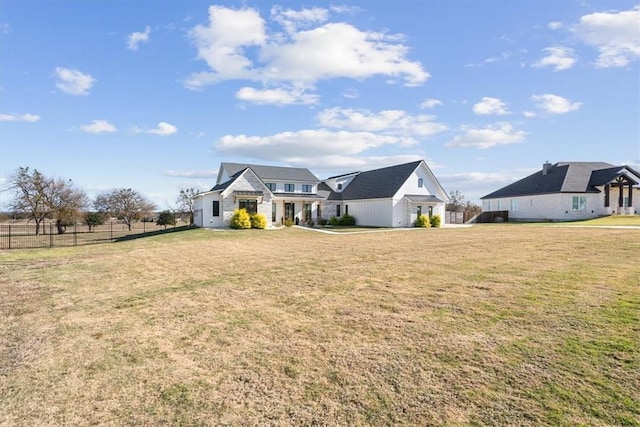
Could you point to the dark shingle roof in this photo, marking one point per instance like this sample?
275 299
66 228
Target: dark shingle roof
227 183
376 184
562 177
276 173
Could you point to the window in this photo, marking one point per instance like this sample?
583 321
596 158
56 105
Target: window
250 205
216 208
339 186
273 212
420 182
337 210
579 203
271 186
289 188
514 204
419 211
306 188
346 209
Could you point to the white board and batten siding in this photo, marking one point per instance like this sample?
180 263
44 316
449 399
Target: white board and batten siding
371 212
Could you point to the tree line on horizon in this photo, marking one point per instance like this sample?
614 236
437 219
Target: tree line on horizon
37 197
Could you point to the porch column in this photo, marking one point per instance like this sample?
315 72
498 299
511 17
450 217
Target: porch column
607 191
630 195
621 196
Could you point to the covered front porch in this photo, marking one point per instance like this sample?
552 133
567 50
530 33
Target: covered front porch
422 205
300 209
623 205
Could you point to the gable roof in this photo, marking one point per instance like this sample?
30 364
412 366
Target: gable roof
274 173
562 177
376 184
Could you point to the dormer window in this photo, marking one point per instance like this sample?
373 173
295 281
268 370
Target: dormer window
420 182
339 186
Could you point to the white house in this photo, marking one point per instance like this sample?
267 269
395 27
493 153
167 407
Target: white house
567 191
389 197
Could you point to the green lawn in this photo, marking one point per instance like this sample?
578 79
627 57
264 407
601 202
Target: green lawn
488 325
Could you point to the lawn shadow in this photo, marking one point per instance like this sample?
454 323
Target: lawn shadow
129 237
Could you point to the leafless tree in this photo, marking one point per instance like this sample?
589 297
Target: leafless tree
40 198
125 204
186 201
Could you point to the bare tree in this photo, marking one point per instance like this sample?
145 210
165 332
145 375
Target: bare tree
65 202
186 201
29 195
125 204
456 201
39 197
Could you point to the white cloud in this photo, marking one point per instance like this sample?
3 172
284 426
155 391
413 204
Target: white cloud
291 20
490 105
163 129
73 81
192 174
560 58
298 58
555 25
13 117
305 144
616 35
135 39
98 126
351 94
430 103
390 122
555 104
500 133
275 96
221 45
529 114
502 57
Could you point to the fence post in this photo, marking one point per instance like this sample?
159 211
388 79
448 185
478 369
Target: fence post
75 235
50 234
111 234
9 236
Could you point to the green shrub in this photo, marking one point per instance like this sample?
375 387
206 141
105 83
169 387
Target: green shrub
288 223
436 221
347 219
258 221
423 221
333 221
322 221
240 219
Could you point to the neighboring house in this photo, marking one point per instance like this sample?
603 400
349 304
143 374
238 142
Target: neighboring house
567 191
387 197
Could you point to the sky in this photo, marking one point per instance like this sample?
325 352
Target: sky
154 95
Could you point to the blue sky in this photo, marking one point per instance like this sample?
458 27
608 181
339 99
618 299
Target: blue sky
153 95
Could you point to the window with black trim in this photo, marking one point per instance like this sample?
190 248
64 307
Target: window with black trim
216 208
306 188
251 205
289 188
271 186
337 210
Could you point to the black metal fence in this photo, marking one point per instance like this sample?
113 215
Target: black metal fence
23 236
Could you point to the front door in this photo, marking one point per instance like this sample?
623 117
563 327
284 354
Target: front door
289 211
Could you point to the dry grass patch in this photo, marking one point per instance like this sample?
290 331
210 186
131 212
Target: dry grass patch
519 325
